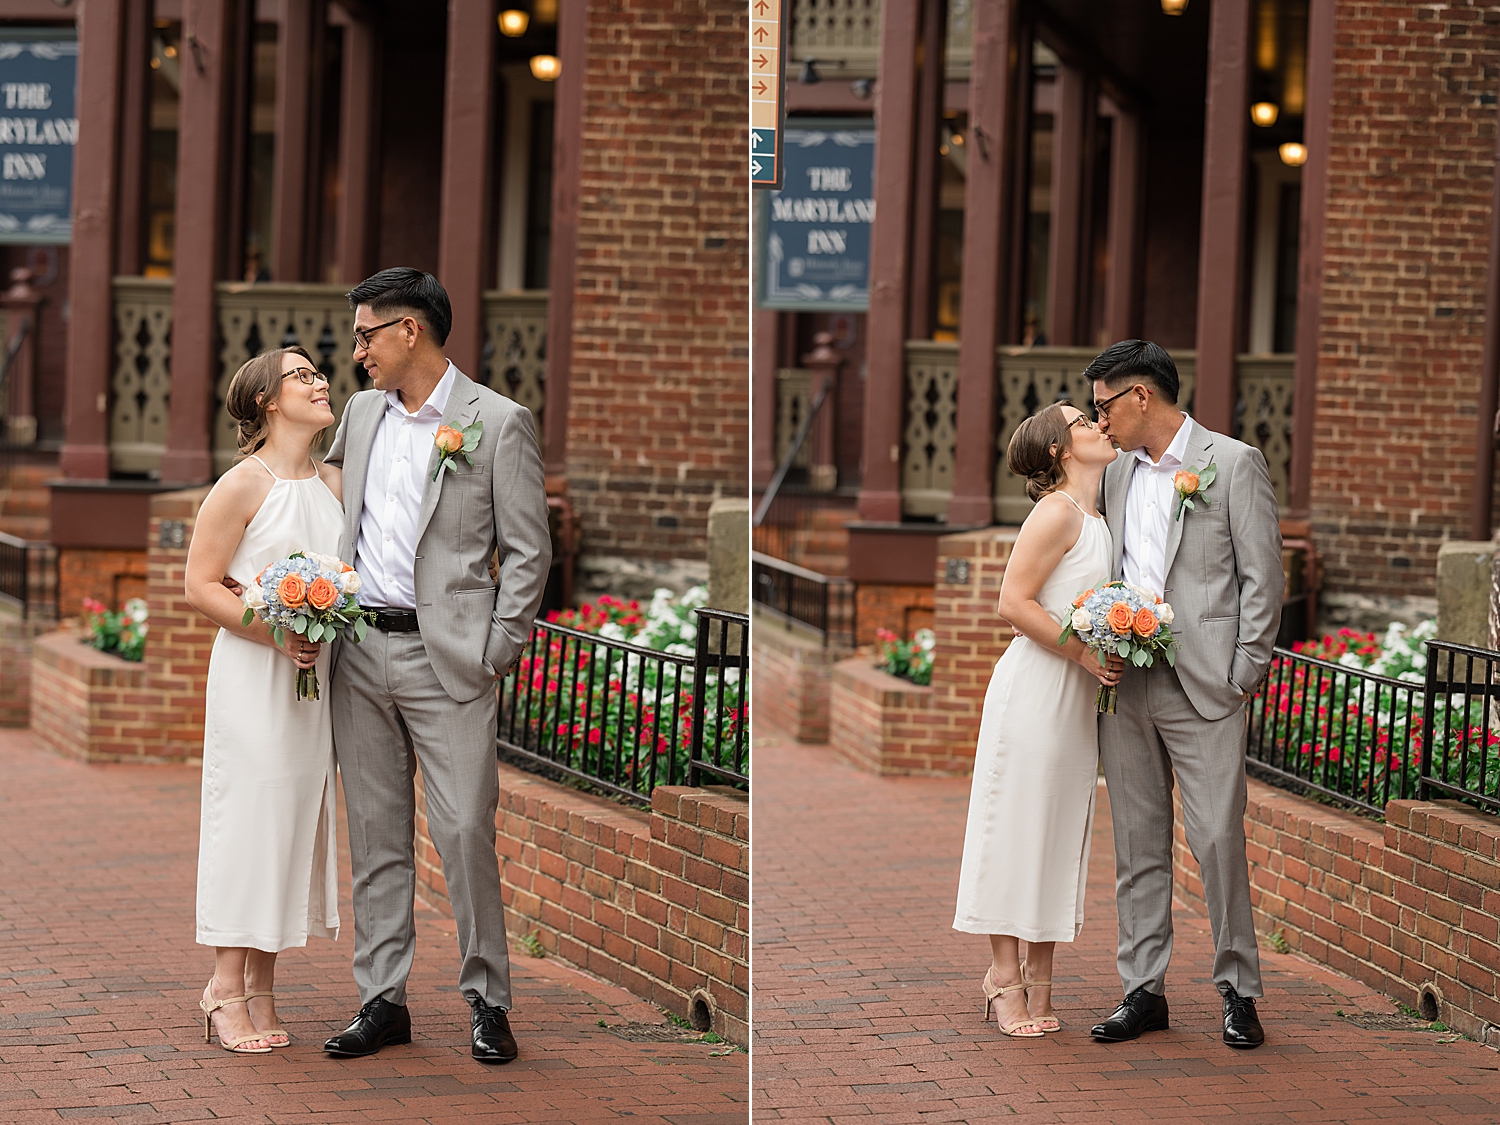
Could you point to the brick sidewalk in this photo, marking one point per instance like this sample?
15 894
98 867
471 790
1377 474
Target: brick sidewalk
100 977
866 1004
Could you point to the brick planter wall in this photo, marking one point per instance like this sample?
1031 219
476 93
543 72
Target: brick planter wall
88 704
16 639
162 720
658 902
1410 908
891 726
793 681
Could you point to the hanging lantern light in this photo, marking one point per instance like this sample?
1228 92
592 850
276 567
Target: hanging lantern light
545 68
1264 114
1293 154
513 23
1173 7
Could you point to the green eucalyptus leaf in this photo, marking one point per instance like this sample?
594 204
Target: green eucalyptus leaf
361 627
249 616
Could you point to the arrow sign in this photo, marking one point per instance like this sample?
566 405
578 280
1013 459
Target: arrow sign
755 168
760 34
761 7
769 23
761 88
756 139
761 62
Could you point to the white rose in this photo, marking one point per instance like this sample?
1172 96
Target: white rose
1164 613
1082 622
255 597
349 582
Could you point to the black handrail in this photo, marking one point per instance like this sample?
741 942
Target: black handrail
723 645
1466 763
825 604
791 455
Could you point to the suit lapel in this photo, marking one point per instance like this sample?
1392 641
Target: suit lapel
461 411
1200 441
363 425
1116 488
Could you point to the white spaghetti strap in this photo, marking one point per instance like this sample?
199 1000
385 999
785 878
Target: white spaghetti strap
1070 500
267 468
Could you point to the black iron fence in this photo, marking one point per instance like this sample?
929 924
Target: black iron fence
28 576
1460 726
1364 739
825 605
625 718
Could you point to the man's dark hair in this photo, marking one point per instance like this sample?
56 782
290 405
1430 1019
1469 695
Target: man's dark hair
402 289
1136 361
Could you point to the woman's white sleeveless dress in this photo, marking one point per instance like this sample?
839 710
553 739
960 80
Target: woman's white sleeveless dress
267 848
1036 766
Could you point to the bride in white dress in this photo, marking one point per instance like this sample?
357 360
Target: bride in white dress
1031 808
267 852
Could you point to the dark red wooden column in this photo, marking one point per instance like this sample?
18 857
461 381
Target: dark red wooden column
1069 131
464 250
354 241
928 167
85 451
294 188
1317 134
890 241
207 72
763 397
986 218
567 174
135 108
1122 282
1221 244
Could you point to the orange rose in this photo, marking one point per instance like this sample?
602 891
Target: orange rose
1185 482
1119 618
1081 598
292 591
1145 624
322 593
449 440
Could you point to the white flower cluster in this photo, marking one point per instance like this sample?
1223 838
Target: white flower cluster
1403 656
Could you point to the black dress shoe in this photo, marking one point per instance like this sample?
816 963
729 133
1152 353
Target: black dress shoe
1140 1011
1241 1025
493 1041
379 1022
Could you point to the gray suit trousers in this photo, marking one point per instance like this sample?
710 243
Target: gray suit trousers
1156 733
390 714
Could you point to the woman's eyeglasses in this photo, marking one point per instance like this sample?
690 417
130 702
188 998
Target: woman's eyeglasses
1083 420
305 375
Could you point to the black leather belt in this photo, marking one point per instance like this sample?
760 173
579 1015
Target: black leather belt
396 620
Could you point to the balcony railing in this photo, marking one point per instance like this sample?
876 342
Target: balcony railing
1030 379
848 32
255 317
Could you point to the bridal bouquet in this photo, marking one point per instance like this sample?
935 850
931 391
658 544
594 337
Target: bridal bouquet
313 595
1118 619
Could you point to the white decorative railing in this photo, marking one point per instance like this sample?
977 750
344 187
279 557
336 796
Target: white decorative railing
1030 379
848 31
140 387
255 317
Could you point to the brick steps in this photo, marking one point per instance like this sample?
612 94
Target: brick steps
26 502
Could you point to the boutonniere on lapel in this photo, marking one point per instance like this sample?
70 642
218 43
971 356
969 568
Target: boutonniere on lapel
1191 484
450 442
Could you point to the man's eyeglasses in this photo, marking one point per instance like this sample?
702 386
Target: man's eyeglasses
1101 409
362 335
305 375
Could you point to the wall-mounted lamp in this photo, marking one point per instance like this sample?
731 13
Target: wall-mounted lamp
809 75
1293 154
545 68
1264 114
1173 7
862 88
513 23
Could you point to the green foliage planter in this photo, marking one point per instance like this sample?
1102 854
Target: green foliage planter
121 632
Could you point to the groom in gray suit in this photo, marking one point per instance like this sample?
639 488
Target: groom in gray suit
420 688
1217 563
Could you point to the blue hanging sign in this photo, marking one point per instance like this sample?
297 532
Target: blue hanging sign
38 129
815 232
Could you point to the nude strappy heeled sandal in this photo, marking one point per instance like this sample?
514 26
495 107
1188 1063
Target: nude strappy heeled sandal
233 1045
1046 1023
993 993
276 1036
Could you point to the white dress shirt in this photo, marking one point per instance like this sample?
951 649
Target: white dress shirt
1148 513
386 553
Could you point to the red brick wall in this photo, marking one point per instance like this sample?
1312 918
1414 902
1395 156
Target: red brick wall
793 678
108 576
901 609
658 902
89 704
658 389
1410 905
1410 182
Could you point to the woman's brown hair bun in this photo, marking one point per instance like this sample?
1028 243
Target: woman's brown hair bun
254 387
1036 449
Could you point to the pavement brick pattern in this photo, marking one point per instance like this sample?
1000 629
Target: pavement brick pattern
866 1004
100 977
